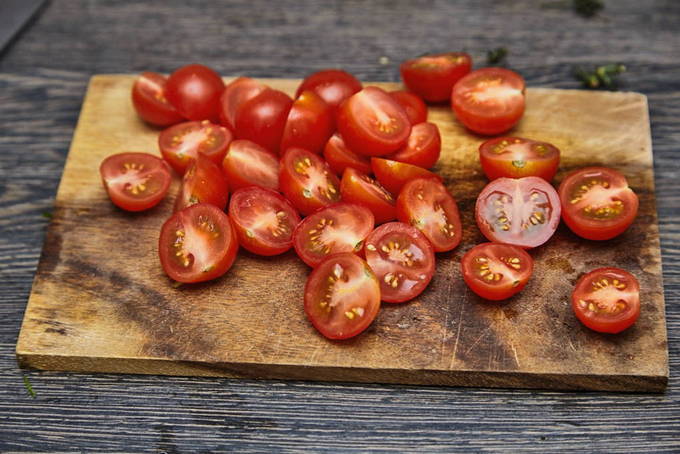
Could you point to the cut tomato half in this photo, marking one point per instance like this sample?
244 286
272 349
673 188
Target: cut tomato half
423 147
135 181
517 157
181 143
203 182
496 271
393 175
357 187
248 164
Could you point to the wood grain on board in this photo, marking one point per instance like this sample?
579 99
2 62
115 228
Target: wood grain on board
100 301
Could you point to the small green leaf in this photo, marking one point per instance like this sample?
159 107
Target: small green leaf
29 388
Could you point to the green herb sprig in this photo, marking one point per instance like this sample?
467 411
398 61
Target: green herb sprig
29 388
601 77
496 56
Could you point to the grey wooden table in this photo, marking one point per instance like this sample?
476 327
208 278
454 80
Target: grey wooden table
43 76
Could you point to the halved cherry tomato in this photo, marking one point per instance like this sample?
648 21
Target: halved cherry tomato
181 143
197 244
489 100
195 92
203 182
247 164
236 93
393 175
427 205
333 85
496 271
372 123
402 259
433 76
310 123
607 300
342 296
339 157
517 157
262 118
597 203
307 181
342 227
413 105
148 98
357 187
423 147
135 181
263 219
520 211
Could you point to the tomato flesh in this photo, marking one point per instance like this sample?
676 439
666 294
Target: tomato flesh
402 259
517 157
236 93
203 182
393 175
607 300
342 296
342 227
423 147
180 144
248 164
333 85
339 157
264 220
197 244
310 123
597 203
357 187
427 205
135 181
413 105
432 77
150 102
194 90
520 211
262 118
307 181
489 101
496 271
372 123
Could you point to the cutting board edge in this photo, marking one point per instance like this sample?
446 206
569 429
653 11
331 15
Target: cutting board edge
447 378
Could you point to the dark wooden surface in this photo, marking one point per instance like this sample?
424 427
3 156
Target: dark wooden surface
43 76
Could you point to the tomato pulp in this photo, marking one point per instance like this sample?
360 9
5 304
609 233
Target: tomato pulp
135 181
496 271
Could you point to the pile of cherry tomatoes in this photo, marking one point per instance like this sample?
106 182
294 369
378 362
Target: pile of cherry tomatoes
353 162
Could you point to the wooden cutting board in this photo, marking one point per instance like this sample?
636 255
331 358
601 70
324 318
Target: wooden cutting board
101 303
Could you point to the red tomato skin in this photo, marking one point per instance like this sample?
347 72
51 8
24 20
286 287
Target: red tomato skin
255 244
227 251
354 191
310 123
434 84
203 182
354 127
423 147
214 147
393 175
153 107
495 167
618 324
526 243
489 291
262 119
195 91
294 189
413 105
131 203
374 260
332 85
433 192
369 292
483 122
340 213
236 93
240 169
593 230
339 157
